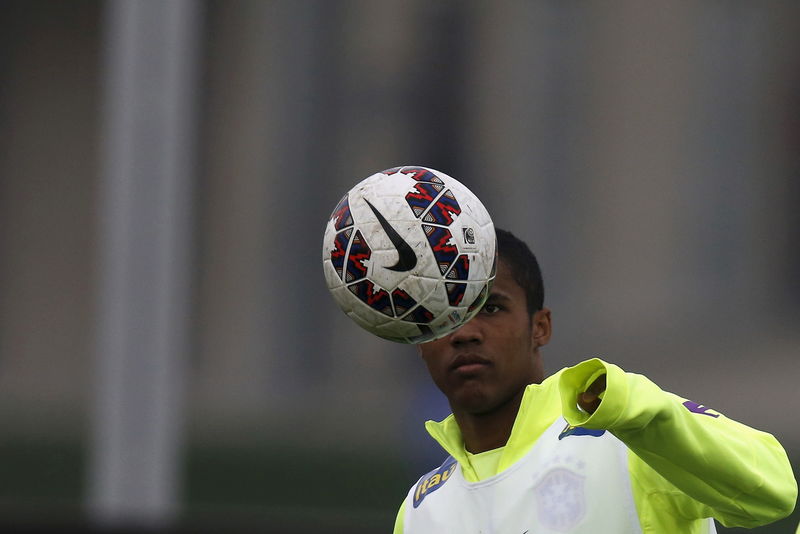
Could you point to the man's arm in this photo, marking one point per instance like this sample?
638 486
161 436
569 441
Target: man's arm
741 474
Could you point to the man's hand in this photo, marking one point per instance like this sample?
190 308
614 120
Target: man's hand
590 399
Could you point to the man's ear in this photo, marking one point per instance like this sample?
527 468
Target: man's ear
542 327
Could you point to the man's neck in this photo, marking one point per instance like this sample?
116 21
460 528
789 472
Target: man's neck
491 430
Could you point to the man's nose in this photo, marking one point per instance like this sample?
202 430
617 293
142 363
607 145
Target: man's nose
471 332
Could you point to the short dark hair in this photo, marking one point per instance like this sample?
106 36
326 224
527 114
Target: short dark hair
524 267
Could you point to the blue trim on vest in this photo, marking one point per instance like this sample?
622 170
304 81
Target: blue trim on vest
579 431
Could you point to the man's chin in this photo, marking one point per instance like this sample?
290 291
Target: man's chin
477 400
474 401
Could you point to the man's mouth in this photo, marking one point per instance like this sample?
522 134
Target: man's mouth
467 364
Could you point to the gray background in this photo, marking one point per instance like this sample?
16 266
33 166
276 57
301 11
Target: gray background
169 354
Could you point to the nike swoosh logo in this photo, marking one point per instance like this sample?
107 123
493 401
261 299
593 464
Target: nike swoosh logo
407 258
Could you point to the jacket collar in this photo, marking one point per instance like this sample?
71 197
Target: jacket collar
541 405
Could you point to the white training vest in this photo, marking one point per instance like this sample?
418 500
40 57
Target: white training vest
572 481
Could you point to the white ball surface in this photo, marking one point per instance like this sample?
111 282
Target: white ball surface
409 254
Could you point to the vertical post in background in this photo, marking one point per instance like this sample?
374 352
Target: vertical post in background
144 267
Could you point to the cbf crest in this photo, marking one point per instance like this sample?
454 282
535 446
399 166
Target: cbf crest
560 499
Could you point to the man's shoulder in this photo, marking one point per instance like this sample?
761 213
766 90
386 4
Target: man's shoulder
553 378
546 390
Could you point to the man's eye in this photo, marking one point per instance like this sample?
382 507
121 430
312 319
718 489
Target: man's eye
490 309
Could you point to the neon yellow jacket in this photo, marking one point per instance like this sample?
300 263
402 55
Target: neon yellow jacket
686 462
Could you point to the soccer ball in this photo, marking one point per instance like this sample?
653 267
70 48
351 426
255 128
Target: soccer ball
409 254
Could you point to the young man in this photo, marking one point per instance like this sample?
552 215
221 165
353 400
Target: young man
591 449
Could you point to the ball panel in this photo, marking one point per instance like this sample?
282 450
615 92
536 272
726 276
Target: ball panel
460 269
341 214
480 300
420 174
441 243
420 314
455 292
357 258
443 210
339 252
422 197
374 297
403 302
332 278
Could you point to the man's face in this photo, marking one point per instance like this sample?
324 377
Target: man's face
488 362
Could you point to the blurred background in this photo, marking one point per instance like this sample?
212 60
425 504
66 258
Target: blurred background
170 358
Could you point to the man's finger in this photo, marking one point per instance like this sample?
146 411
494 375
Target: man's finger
590 399
598 386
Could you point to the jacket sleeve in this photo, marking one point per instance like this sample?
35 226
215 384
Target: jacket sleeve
398 522
738 475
